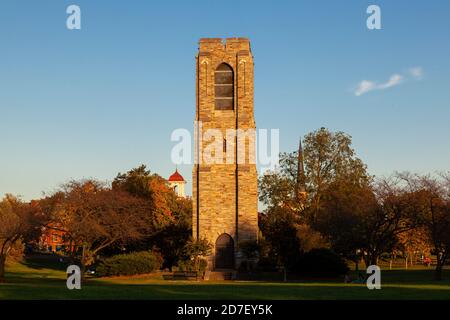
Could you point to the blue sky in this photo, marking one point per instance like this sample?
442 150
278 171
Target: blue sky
103 99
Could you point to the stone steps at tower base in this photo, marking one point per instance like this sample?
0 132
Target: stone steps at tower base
219 275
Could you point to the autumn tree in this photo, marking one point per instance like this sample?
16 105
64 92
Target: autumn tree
432 194
17 221
97 217
368 219
414 241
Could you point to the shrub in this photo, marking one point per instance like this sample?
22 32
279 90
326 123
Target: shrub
267 264
189 265
129 264
322 263
185 265
202 265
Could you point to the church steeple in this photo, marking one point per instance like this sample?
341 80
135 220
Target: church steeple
301 177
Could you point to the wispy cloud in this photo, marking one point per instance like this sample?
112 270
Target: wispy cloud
365 86
394 80
416 72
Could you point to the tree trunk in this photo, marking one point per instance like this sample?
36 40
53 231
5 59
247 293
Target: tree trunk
2 267
374 260
366 261
371 259
83 262
438 272
441 258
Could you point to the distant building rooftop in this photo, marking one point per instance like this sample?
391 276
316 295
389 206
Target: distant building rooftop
176 177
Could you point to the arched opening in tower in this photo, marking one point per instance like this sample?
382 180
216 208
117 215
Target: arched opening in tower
224 257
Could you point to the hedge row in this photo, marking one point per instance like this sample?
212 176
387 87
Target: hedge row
129 264
321 263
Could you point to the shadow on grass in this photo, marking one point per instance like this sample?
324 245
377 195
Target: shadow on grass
46 261
214 291
27 283
396 284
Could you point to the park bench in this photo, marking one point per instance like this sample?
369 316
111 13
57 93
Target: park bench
185 275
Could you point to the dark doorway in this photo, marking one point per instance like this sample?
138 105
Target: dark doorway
224 252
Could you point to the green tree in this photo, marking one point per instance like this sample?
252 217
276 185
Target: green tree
328 157
329 161
171 241
173 214
194 250
279 227
141 183
277 189
136 182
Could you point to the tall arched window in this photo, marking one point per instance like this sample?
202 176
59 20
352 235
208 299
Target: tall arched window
224 87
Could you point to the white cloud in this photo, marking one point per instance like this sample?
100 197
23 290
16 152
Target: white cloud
416 72
365 86
394 80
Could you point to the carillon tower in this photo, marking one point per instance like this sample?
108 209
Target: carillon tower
225 195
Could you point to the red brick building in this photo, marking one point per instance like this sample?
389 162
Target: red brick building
54 239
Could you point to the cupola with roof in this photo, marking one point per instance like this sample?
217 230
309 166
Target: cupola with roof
177 183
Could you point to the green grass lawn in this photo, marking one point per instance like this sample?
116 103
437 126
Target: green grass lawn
35 280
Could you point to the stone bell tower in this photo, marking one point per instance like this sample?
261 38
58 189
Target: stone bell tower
225 197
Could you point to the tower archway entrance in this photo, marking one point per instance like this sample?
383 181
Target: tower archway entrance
224 257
